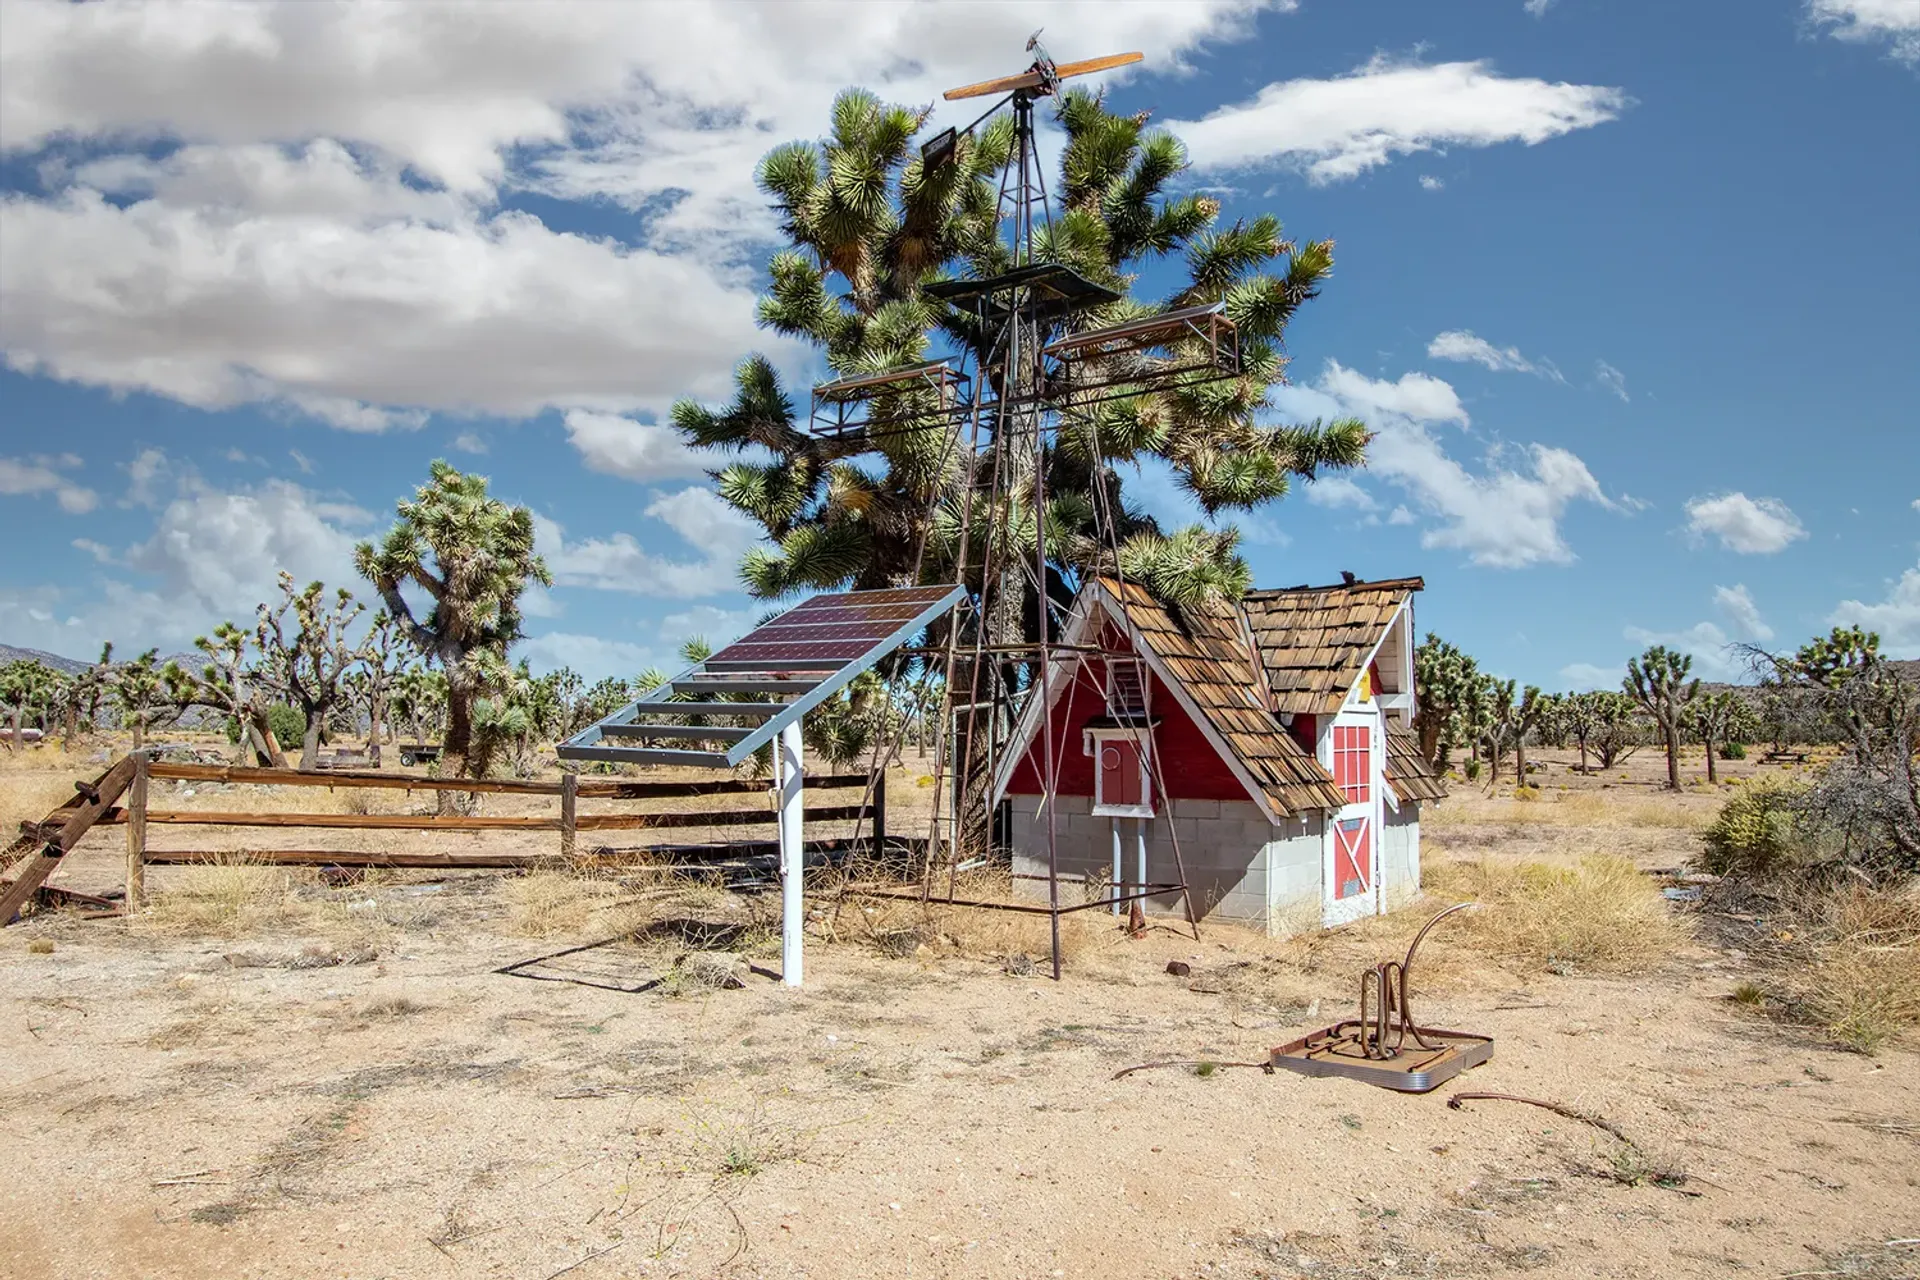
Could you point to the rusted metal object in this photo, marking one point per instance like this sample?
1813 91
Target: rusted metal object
1373 1047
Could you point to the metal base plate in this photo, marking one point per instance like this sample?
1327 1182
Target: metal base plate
1336 1051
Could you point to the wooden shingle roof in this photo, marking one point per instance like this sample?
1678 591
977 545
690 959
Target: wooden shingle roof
1408 772
1207 652
1312 641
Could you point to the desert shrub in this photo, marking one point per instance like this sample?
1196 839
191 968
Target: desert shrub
288 725
1757 831
1863 979
1734 751
1602 915
1473 770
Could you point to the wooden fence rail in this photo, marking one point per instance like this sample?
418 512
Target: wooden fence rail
120 796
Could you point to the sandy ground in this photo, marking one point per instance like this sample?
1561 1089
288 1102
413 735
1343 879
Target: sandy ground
184 1106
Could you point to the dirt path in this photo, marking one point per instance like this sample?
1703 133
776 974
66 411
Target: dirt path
173 1114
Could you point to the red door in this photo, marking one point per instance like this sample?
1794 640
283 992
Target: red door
1121 783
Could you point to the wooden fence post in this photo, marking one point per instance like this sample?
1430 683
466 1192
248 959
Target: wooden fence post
880 811
137 835
569 789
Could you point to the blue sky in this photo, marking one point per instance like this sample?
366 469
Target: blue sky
1627 290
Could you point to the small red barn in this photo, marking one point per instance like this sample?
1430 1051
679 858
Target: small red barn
1272 737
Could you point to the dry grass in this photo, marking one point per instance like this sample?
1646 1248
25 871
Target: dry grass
548 904
1536 806
1863 982
229 900
1601 916
902 928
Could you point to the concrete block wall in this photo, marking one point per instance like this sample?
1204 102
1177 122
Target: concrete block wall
1400 855
1222 842
1296 865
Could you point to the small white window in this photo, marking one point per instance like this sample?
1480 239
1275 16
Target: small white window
1126 689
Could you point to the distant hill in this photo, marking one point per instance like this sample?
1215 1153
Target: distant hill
74 666
12 653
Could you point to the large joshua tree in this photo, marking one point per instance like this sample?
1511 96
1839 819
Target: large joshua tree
1658 681
870 227
472 555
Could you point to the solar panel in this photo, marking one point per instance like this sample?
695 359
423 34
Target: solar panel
812 651
829 630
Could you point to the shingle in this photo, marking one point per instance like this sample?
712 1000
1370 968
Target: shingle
1408 772
1312 641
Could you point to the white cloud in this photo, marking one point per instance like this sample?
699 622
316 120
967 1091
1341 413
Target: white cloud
1537 7
1430 183
594 657
1896 23
1611 379
1505 516
1583 676
1897 618
325 230
632 450
1339 128
619 563
1736 602
497 314
1915 504
1339 491
1706 642
1467 346
1751 526
98 550
1400 515
1419 396
469 442
21 476
212 555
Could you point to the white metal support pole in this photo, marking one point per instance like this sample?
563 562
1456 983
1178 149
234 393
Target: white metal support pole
787 775
1140 836
1114 823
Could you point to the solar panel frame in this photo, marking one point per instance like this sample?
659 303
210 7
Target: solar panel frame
868 626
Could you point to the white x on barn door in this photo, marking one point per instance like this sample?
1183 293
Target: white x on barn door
1351 871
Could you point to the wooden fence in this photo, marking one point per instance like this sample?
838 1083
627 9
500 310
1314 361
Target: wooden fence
120 797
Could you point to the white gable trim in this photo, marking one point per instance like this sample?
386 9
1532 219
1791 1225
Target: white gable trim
1091 594
1405 610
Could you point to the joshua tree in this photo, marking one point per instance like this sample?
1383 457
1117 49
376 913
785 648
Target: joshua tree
1617 732
1580 713
89 687
140 691
1525 718
869 228
420 695
383 654
1657 680
1443 678
1711 718
227 684
25 684
473 555
309 669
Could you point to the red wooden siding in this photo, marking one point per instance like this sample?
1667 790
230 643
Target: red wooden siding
1190 767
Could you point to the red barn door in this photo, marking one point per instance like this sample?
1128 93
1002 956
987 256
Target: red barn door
1351 868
